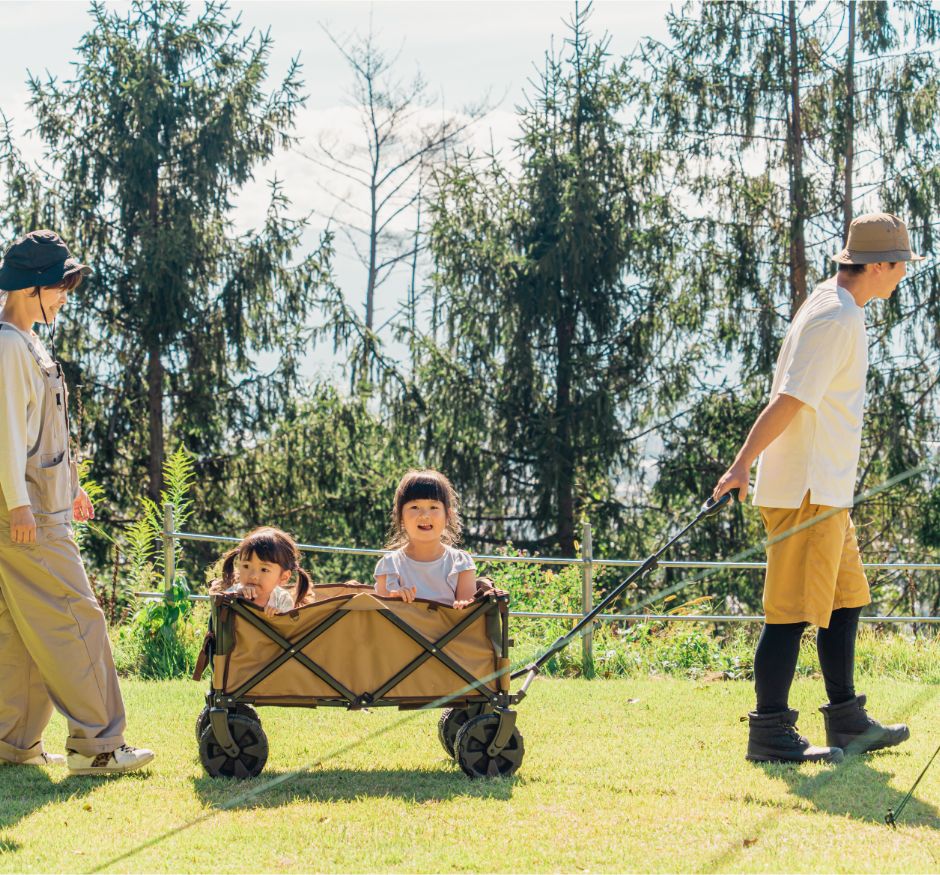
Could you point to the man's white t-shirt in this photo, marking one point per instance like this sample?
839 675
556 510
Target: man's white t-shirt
823 362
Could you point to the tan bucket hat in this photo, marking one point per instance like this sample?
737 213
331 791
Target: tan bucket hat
877 237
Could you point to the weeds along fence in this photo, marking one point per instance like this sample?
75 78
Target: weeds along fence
587 563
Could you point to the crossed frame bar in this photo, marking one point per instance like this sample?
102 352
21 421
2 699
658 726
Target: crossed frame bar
355 701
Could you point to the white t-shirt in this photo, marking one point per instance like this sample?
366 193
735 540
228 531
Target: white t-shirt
435 581
22 391
823 362
280 599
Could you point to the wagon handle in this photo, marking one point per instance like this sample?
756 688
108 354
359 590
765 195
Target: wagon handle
709 508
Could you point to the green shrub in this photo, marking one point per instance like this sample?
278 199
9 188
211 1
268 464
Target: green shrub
675 647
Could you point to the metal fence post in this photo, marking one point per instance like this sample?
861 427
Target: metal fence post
587 598
169 548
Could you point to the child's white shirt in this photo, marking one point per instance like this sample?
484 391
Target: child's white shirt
435 581
280 599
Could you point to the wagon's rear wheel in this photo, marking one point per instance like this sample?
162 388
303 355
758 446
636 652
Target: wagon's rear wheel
251 740
473 740
202 721
450 723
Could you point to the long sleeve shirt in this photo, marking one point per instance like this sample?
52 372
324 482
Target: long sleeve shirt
21 396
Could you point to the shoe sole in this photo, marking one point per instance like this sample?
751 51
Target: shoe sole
120 771
858 746
833 759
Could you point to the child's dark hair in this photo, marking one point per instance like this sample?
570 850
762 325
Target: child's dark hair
272 545
432 486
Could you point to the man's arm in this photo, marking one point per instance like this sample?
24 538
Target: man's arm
774 418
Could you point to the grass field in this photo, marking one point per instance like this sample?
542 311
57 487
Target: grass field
619 775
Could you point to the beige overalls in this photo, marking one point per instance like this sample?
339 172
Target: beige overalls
54 648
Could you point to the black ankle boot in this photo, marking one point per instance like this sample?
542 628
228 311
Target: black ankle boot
849 726
773 739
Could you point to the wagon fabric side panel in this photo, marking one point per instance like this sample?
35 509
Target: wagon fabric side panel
362 650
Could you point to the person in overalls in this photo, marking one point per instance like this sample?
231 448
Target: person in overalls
54 648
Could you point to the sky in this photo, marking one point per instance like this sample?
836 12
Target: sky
464 50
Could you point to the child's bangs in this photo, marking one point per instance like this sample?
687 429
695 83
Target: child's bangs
425 488
266 547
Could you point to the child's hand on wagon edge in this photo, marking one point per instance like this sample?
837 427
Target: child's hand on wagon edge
462 603
406 593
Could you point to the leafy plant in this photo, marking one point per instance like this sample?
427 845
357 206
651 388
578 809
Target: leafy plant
163 635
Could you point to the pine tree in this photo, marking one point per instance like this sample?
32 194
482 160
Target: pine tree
563 327
146 148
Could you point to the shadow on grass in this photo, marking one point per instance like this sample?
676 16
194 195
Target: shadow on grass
24 789
341 785
857 789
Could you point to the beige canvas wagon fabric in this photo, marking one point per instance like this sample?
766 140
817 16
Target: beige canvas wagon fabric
362 650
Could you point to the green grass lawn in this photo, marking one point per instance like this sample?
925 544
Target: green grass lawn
619 775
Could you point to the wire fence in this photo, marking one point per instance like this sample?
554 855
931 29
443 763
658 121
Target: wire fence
587 562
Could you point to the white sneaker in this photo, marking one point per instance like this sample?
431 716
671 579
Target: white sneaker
41 759
123 759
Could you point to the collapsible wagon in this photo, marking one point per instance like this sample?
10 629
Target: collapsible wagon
351 648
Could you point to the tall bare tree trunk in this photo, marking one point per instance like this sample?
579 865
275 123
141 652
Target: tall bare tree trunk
155 410
849 124
563 451
797 187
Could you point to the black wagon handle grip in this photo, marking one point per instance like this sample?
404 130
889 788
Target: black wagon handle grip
711 507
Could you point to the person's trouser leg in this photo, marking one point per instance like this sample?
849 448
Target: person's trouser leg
52 605
25 707
775 659
836 648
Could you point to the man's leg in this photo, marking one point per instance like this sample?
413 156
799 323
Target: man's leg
789 592
25 707
775 659
58 618
836 648
847 723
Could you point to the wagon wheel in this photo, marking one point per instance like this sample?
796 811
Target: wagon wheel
202 721
249 736
452 719
475 736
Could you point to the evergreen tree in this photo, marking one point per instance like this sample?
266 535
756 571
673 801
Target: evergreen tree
563 326
146 147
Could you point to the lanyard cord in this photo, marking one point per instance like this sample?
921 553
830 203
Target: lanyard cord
58 367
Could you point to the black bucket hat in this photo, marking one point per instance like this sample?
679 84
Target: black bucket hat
39 258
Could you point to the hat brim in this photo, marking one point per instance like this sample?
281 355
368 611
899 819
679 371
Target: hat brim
73 265
13 279
855 256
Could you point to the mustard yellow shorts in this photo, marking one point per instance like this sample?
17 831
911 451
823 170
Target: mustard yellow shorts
813 568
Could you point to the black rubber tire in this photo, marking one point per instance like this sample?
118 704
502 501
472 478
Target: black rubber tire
249 736
450 723
475 736
202 721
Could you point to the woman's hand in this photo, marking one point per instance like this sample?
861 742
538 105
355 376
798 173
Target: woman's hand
22 525
82 508
407 593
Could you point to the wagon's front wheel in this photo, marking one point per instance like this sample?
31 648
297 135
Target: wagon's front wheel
253 749
451 722
202 721
472 749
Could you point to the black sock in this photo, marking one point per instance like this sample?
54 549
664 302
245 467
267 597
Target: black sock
836 649
778 649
